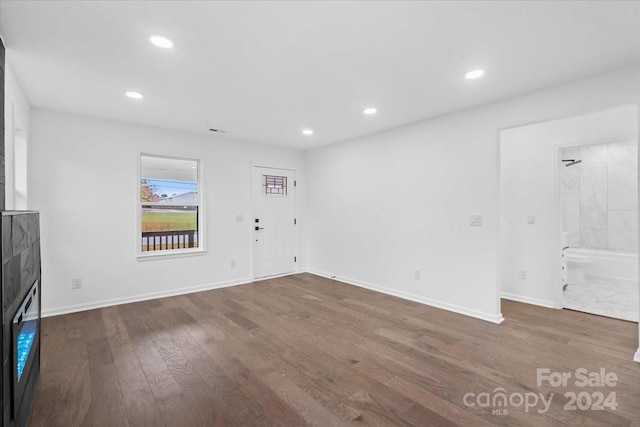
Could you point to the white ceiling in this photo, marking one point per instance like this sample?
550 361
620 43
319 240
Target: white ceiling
263 71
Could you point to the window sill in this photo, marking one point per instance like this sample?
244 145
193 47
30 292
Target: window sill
158 255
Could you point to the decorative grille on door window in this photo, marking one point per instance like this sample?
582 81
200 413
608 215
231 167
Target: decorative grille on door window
274 185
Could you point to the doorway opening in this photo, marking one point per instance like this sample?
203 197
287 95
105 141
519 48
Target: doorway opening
598 185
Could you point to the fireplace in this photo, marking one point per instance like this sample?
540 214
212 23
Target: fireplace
21 303
26 343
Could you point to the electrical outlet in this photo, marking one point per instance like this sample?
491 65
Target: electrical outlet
523 275
232 264
76 283
416 274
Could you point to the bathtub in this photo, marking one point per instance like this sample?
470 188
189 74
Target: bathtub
579 263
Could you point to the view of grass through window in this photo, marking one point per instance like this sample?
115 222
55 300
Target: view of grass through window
164 214
169 204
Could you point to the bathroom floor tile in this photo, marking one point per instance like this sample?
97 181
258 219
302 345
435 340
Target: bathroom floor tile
617 299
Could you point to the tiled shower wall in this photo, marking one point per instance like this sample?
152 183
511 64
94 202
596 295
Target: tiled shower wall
600 196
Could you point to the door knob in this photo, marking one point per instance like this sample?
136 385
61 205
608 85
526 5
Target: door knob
259 228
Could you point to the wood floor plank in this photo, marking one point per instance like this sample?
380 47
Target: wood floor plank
114 326
230 401
99 352
179 366
149 357
163 385
305 350
114 419
63 396
142 409
273 408
106 396
435 404
419 415
308 408
130 374
241 321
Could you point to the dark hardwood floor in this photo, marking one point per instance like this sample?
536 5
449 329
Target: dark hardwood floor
304 350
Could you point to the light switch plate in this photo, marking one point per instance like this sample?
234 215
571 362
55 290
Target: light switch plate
531 219
475 220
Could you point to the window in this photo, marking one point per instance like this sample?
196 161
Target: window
274 185
169 213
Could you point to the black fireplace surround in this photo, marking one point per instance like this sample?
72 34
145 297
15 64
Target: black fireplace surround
21 304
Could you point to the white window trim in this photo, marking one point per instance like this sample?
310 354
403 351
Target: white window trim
174 253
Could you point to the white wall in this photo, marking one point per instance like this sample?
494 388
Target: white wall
385 205
529 172
83 176
16 118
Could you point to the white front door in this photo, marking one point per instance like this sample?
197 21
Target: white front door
273 221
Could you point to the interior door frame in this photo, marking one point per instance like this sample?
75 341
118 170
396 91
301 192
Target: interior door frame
254 200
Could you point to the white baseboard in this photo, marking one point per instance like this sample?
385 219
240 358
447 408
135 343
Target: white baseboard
489 317
529 300
636 357
142 297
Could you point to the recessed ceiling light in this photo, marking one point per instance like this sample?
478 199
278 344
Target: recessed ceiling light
162 42
307 132
134 95
370 111
474 74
